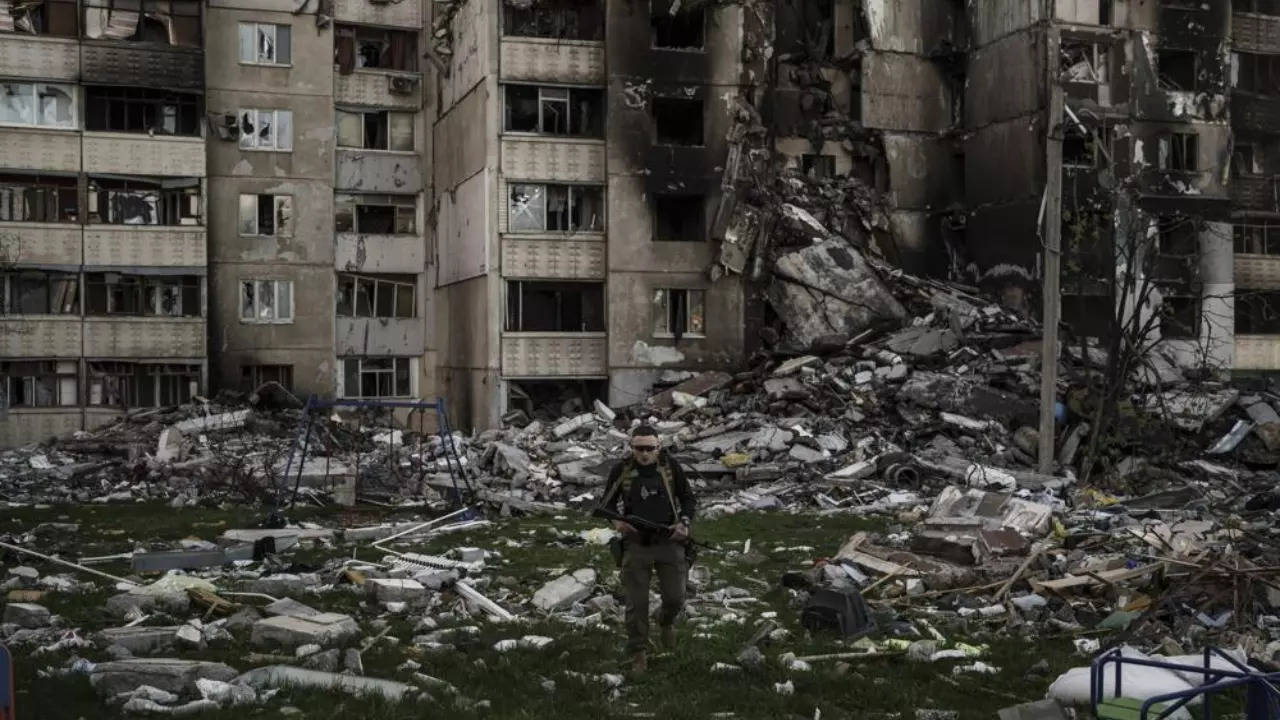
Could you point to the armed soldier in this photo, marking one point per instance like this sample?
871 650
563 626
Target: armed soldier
650 487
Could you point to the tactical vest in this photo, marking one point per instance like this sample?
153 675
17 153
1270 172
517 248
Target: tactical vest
628 476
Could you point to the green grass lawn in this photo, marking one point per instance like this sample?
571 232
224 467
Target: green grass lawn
679 684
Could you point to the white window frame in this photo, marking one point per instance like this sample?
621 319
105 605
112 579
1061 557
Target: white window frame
571 191
346 392
66 389
252 47
276 202
380 285
280 289
364 117
661 320
400 203
279 143
34 99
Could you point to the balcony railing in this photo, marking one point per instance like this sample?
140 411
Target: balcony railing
554 354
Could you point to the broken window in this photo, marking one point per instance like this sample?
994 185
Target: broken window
555 208
266 301
376 214
266 215
37 292
1257 312
377 296
554 111
1177 69
374 48
1086 147
1179 152
265 44
141 110
679 312
1244 159
169 22
1179 314
559 19
39 383
108 293
1257 73
1257 237
39 198
266 130
51 18
385 377
1177 235
253 377
549 306
805 27
375 130
38 105
676 27
1086 63
679 218
128 200
818 166
164 385
678 121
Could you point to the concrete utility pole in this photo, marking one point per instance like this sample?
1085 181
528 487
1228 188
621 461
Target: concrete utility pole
1051 289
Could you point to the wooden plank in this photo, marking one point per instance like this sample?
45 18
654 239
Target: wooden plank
1101 578
872 562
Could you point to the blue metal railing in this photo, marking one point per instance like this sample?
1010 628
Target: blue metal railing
1263 695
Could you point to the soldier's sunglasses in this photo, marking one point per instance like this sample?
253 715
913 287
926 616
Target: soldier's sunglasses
644 448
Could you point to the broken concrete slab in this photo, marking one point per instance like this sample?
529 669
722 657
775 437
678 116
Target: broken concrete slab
280 676
140 640
922 341
572 425
26 615
1190 410
968 396
395 590
698 385
829 289
250 535
1266 424
168 674
790 366
321 629
221 421
784 388
565 590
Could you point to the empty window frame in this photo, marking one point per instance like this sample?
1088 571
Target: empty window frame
1086 63
677 121
158 295
39 198
123 384
270 130
51 18
266 302
676 27
818 166
679 218
1179 314
375 130
374 49
167 22
1257 312
39 383
141 110
1244 159
551 306
577 112
679 312
1177 236
385 377
265 44
1257 73
803 28
1179 152
270 215
38 105
127 200
376 214
1256 237
377 296
1086 147
1177 69
555 208
559 19
253 377
37 292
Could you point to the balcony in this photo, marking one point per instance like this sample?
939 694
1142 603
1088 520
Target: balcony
377 171
534 355
397 14
138 154
1257 272
119 247
23 336
554 258
562 61
553 158
40 243
133 337
30 149
1257 352
48 58
366 253
145 64
373 88
1255 113
1255 33
28 425
379 336
1256 192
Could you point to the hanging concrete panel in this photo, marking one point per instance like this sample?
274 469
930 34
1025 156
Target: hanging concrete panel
144 337
143 155
553 354
356 252
379 88
553 159
46 336
20 427
378 172
469 63
141 64
463 230
40 243
57 59
39 150
905 92
405 13
379 336
553 259
124 246
561 61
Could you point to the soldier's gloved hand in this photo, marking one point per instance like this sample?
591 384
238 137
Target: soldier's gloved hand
680 532
624 527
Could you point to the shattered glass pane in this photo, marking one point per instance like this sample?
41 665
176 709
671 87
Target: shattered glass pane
265 137
16 104
266 300
57 107
526 208
248 121
267 43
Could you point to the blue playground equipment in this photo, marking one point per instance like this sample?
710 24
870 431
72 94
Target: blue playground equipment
7 689
1262 691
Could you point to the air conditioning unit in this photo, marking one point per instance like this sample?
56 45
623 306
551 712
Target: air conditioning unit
401 85
226 125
